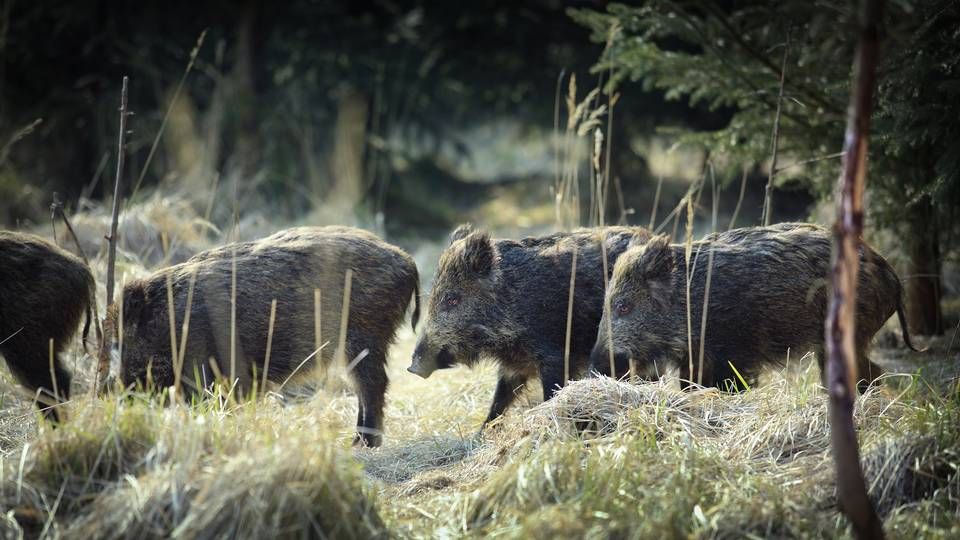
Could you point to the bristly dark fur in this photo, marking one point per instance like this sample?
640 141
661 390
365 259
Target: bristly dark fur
44 291
507 300
768 294
287 266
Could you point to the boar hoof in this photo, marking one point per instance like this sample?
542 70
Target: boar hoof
367 440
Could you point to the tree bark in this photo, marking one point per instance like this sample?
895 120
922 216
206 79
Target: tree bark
923 278
840 325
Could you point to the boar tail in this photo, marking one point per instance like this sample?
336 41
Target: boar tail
91 304
86 327
415 317
902 317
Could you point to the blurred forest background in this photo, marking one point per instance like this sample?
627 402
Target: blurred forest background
408 117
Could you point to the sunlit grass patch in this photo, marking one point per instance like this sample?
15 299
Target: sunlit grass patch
668 464
129 467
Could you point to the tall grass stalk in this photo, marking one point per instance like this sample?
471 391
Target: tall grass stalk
582 118
706 291
303 363
606 300
557 174
172 314
178 366
656 202
600 192
233 315
344 316
266 358
566 341
53 371
214 185
166 115
317 316
687 249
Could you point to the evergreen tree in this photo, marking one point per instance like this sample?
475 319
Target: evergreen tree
729 56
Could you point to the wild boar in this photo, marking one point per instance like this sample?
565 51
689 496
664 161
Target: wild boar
287 267
768 293
508 300
44 291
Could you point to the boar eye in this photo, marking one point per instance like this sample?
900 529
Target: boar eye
451 300
623 307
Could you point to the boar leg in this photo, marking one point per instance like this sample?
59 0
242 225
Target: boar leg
551 377
370 378
867 372
509 385
33 372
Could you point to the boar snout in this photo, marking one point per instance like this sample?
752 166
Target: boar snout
600 361
417 368
427 359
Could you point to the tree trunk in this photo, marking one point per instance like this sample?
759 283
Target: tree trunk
923 278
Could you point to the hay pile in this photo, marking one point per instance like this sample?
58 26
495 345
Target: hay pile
648 460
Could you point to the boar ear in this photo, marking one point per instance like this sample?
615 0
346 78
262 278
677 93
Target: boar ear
461 232
639 236
656 262
478 253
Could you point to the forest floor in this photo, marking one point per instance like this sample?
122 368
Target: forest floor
602 459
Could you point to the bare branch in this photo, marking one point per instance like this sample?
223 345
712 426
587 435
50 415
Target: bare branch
840 325
775 139
104 354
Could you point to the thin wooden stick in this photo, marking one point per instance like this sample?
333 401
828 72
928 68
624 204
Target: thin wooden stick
775 139
811 160
852 496
103 356
56 209
736 209
115 213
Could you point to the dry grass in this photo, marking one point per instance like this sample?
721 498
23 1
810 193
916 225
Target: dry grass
602 459
129 468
